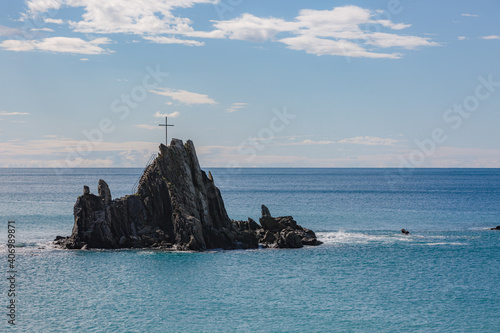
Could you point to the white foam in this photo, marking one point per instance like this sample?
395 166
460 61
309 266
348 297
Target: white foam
342 237
359 238
451 243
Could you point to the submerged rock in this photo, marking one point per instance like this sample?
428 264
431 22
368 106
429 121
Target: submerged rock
176 206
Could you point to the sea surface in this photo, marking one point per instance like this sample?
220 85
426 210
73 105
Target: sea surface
366 277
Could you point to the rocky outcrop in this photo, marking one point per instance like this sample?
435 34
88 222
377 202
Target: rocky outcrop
176 206
496 228
284 232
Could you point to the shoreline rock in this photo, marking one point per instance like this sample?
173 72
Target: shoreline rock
178 207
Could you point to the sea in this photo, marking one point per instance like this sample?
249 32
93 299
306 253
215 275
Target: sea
366 277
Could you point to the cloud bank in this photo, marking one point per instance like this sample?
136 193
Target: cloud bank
349 31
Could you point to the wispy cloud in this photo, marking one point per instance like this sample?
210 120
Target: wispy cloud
174 114
317 142
370 141
51 20
462 38
84 59
5 113
236 106
58 44
490 37
55 152
148 127
216 156
148 19
7 31
184 96
340 31
172 40
470 15
325 32
43 29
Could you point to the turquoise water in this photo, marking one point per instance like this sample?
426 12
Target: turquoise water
367 277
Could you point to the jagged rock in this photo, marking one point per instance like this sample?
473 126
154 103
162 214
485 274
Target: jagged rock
288 238
86 190
265 211
176 206
268 237
496 228
252 225
284 232
104 192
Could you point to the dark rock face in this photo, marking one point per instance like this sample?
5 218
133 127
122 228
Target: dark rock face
176 207
496 228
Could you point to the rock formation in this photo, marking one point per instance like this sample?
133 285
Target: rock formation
496 228
178 207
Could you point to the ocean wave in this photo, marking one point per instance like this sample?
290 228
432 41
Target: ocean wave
31 247
343 237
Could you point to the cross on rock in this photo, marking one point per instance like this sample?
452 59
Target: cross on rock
166 130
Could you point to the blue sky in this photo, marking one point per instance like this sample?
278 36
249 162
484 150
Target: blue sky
85 83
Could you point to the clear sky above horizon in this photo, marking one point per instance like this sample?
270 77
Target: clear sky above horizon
391 83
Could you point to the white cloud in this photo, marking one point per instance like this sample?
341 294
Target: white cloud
317 142
344 31
174 114
370 141
386 40
236 106
43 29
184 96
58 44
35 6
173 40
5 113
84 59
470 15
490 37
341 31
217 156
148 127
322 46
462 38
6 31
60 152
251 28
149 19
54 21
